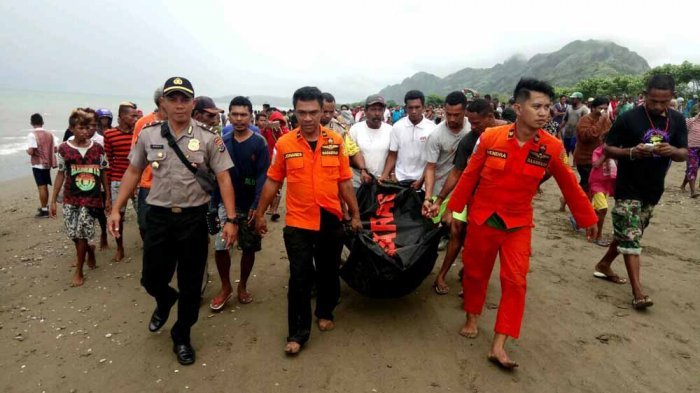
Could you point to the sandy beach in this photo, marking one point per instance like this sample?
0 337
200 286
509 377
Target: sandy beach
579 334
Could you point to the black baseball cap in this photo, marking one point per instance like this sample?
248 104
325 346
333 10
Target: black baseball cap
178 84
204 103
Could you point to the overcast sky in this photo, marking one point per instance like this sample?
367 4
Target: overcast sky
271 47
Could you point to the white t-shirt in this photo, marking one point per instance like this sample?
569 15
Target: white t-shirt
31 144
409 141
374 145
387 115
95 138
440 150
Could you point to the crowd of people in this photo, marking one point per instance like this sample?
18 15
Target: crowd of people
192 170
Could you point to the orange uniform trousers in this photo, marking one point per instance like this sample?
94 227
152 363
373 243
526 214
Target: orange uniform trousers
482 244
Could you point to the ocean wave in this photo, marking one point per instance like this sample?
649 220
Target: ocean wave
12 148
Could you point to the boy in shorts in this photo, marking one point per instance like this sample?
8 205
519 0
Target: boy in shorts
601 183
81 164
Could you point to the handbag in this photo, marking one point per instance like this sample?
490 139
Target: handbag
205 178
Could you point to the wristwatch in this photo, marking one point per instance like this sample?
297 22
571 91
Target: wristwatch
234 220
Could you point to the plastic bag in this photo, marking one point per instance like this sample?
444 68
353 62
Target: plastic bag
398 248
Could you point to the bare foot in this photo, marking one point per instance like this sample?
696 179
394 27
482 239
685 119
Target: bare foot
103 242
78 280
501 359
292 348
119 255
325 325
470 328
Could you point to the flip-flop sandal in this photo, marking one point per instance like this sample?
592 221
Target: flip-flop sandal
603 242
441 290
641 304
505 366
615 279
219 306
246 299
695 195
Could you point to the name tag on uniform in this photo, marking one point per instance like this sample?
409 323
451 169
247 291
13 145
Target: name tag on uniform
156 146
497 153
538 158
330 150
293 154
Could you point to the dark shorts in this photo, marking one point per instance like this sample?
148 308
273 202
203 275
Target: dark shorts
569 144
248 239
42 177
584 170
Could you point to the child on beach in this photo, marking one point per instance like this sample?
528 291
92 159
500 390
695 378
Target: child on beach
81 164
602 184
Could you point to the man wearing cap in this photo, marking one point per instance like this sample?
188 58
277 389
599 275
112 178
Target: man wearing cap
176 230
408 138
373 137
117 144
317 170
574 113
206 112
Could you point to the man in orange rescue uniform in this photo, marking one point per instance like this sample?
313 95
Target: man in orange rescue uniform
497 186
313 160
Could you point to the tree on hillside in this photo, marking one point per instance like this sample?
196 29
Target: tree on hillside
434 100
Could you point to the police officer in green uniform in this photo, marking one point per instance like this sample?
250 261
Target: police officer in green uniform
176 233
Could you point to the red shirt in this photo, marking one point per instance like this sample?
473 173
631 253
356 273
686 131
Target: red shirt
83 174
117 148
502 177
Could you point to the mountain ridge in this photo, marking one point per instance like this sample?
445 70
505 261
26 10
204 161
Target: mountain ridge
574 61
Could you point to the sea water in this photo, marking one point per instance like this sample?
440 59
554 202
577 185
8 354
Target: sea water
16 107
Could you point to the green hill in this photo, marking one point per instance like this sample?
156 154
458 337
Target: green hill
575 61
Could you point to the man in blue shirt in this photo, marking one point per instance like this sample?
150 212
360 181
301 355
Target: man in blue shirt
251 159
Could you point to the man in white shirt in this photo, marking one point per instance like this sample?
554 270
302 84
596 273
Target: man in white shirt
373 137
405 162
41 147
440 150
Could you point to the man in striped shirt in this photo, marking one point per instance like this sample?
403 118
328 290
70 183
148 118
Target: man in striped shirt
117 148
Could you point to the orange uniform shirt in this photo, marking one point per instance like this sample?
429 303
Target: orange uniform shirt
312 176
147 175
502 177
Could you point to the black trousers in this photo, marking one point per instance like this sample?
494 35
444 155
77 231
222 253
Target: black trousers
176 241
304 248
584 170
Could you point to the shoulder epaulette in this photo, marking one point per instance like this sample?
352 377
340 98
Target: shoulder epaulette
154 123
205 127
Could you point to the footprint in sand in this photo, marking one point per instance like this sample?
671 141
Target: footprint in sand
677 337
607 338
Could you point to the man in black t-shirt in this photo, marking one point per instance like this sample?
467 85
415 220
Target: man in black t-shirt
481 116
644 140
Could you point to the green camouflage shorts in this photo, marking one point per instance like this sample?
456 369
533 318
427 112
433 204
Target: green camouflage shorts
630 218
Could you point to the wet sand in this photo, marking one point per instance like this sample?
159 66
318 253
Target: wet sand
579 334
